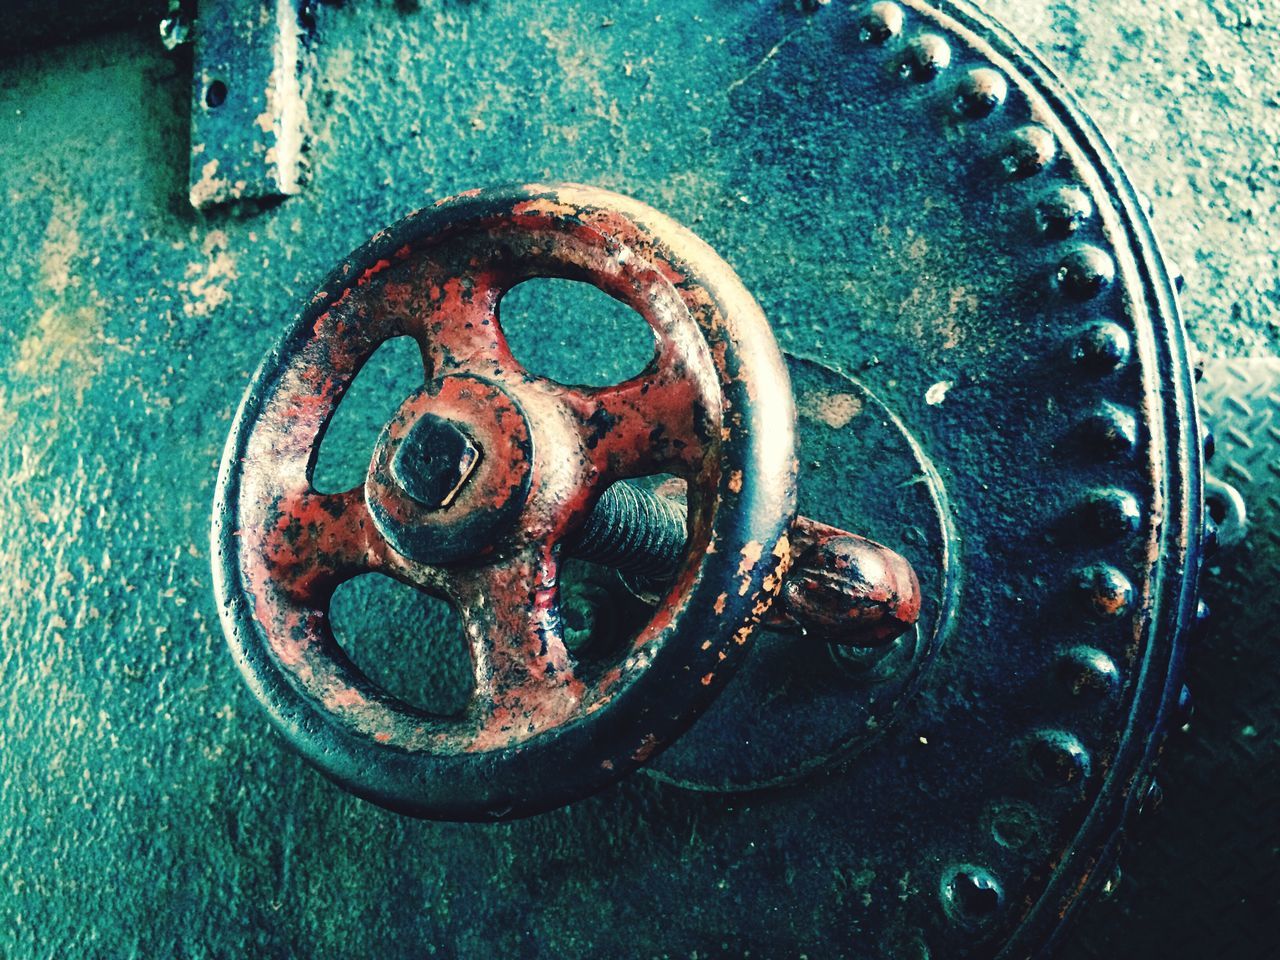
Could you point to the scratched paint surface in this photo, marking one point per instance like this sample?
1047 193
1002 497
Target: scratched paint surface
146 809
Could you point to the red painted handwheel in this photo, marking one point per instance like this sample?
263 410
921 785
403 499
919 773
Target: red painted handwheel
477 480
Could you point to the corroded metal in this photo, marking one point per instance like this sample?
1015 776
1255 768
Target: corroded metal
842 588
713 407
247 113
845 589
956 793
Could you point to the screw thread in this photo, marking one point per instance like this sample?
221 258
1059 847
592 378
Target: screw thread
634 530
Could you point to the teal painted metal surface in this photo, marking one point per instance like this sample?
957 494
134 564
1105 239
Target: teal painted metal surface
144 811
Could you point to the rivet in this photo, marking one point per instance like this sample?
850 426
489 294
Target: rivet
1030 149
1084 273
1112 884
1201 625
1016 825
971 894
1101 348
1107 515
1104 590
1109 431
1058 759
980 92
1209 539
1087 672
1063 212
1208 442
1185 711
926 57
1152 798
881 22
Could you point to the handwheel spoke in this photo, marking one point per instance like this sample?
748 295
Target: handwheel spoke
459 331
313 541
318 540
524 674
657 422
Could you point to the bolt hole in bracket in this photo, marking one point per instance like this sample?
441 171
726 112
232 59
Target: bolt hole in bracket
247 110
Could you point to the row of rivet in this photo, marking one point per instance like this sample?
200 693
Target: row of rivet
1057 758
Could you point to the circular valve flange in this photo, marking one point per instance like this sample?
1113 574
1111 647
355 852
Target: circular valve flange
478 479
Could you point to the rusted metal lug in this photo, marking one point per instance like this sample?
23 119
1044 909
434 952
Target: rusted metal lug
842 589
845 589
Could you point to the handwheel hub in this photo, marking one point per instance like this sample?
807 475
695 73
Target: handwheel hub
433 461
452 470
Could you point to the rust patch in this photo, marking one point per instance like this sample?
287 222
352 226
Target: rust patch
836 410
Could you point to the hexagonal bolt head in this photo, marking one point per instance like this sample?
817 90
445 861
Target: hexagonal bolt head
434 460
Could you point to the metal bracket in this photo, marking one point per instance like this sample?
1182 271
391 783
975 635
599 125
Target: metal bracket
247 111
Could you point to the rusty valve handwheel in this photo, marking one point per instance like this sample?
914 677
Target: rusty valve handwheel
479 476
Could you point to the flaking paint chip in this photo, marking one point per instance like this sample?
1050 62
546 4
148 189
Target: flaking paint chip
938 392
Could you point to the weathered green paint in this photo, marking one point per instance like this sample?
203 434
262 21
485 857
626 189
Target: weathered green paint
146 810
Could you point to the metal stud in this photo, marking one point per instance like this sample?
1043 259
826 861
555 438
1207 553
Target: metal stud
1186 710
1109 431
1200 628
1030 150
1088 673
1104 591
971 894
1112 884
1063 212
1209 539
1107 515
1152 798
881 23
1084 273
980 92
1101 348
926 56
1056 758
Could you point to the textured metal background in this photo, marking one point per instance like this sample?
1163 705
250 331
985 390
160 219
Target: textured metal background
118 839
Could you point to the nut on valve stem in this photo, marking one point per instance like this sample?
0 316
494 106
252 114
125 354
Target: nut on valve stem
845 589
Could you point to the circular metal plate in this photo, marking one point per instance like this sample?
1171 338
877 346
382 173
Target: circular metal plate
797 705
992 279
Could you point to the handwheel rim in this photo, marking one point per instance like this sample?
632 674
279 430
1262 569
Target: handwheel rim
682 657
